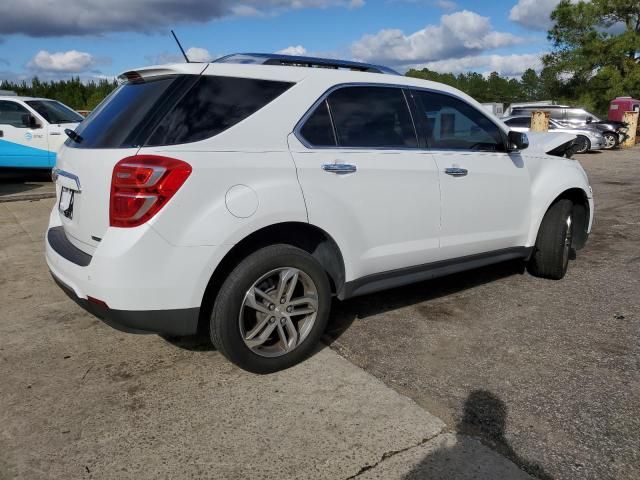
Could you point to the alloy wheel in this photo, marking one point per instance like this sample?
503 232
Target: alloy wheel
278 312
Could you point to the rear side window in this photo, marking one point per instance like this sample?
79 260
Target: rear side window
213 105
174 109
452 124
371 117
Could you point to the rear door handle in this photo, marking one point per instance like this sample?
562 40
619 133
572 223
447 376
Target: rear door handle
456 171
339 168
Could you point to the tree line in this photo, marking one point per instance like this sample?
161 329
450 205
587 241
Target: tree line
75 93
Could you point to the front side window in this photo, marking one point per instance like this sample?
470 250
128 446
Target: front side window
317 130
372 117
55 112
452 124
12 113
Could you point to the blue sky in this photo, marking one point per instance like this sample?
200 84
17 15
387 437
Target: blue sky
95 38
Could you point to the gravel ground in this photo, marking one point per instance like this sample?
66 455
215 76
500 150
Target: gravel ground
544 372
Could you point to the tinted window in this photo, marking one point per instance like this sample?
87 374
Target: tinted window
524 122
372 117
213 105
317 130
453 124
11 113
55 112
124 119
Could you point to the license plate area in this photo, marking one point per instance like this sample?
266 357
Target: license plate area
65 205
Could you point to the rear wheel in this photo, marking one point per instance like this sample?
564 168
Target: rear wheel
271 310
582 144
550 258
610 140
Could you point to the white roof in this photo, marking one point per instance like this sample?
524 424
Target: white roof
294 74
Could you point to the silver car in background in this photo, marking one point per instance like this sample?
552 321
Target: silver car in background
587 138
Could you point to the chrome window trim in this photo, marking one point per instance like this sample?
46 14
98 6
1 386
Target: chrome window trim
426 148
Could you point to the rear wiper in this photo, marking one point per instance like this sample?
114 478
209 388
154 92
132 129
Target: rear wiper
73 135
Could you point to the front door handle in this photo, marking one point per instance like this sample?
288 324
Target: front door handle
456 171
339 168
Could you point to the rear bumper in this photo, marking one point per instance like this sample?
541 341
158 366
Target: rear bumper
141 282
180 322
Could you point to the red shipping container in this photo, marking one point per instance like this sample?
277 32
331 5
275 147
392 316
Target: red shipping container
620 105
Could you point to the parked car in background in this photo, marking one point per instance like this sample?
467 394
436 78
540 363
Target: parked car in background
587 138
32 131
619 105
495 108
238 197
614 132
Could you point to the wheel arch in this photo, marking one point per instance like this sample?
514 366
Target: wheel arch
581 214
308 237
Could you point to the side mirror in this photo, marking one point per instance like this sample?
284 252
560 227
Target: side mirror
29 121
518 140
589 119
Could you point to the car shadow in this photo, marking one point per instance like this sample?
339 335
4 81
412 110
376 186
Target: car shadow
484 417
344 313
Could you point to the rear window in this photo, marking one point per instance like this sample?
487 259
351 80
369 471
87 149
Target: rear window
173 110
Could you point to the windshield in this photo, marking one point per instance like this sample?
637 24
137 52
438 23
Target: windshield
55 112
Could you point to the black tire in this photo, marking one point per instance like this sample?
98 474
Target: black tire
583 144
610 140
551 253
225 318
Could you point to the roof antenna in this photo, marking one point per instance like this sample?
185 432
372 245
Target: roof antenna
180 46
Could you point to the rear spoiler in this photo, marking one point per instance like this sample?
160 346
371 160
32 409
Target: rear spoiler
139 74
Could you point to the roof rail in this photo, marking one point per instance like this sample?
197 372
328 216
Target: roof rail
300 61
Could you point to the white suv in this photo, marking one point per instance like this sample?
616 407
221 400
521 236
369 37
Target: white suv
240 196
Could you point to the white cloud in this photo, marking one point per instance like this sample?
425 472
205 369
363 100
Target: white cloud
533 14
71 61
458 34
39 18
293 50
197 54
507 65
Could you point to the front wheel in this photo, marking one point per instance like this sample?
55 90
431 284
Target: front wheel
550 257
610 140
582 144
271 310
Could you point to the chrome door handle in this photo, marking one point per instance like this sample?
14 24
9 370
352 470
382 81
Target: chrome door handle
339 168
456 171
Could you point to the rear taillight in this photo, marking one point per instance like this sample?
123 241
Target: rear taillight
141 186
